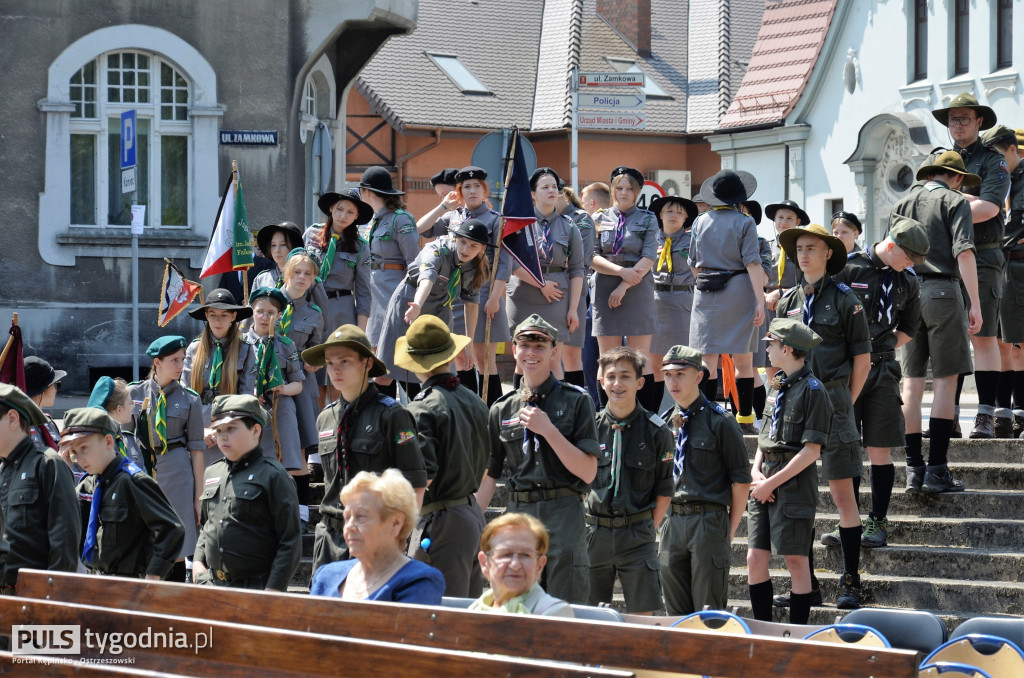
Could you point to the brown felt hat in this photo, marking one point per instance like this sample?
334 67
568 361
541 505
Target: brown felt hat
427 345
965 100
948 161
349 336
835 263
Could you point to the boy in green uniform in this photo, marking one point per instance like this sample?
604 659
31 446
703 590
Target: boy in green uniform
784 490
364 430
546 432
451 424
711 477
631 493
250 537
132 530
841 361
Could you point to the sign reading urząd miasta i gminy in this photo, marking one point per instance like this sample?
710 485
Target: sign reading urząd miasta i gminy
248 137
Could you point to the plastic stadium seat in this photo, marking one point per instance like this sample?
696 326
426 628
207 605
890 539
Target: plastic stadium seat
452 601
605 614
851 634
714 620
904 629
1003 627
994 655
951 670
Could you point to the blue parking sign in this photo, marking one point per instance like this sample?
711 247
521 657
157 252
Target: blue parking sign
128 139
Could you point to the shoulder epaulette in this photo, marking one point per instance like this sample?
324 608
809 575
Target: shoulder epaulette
247 340
655 419
789 292
505 396
667 414
134 383
573 386
315 307
814 384
911 271
600 211
191 391
386 400
194 340
843 286
717 407
423 394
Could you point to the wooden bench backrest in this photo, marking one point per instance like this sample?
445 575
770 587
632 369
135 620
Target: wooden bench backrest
592 642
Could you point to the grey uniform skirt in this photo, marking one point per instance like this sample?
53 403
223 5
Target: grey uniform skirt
395 326
723 321
175 478
524 300
287 432
499 324
307 407
674 308
340 311
634 317
382 285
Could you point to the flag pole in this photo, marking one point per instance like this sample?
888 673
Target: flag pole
245 271
497 257
273 415
10 341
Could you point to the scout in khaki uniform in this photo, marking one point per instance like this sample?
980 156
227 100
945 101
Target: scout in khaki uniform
842 361
546 432
451 423
881 277
784 490
364 430
965 118
37 495
250 537
710 477
630 495
132 529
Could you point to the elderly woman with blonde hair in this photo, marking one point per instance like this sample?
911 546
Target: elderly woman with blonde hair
380 513
513 552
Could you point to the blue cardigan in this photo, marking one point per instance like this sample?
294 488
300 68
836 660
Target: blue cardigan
416 583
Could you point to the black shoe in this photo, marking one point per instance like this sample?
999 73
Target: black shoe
782 600
316 473
938 479
983 426
1003 428
849 597
1018 425
915 477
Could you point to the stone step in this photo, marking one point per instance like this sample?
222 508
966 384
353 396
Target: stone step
976 475
960 450
972 502
303 573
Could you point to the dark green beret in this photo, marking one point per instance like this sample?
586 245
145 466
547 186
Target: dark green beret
272 293
87 421
14 398
166 346
228 408
682 356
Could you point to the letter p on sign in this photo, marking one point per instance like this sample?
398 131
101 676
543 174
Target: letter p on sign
128 139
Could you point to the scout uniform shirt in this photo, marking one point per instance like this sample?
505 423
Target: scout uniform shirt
714 458
250 520
245 368
533 464
631 478
671 268
946 215
184 415
489 217
990 165
349 276
585 224
394 244
139 533
865 274
436 263
1014 229
44 525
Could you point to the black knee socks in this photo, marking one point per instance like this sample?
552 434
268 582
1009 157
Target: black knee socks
799 608
493 388
939 432
761 600
709 387
882 479
913 447
302 489
760 398
849 538
468 378
1018 389
856 491
988 386
645 396
959 388
575 377
745 394
1004 394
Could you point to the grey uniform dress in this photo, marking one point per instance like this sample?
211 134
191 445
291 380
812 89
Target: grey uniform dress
306 330
394 244
246 383
673 292
285 417
585 224
173 470
499 324
636 315
437 263
723 321
347 287
561 260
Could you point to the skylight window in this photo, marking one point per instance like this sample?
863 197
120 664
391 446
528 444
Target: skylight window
459 74
651 88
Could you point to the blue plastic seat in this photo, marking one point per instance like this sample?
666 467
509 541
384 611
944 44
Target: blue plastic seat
714 620
850 634
905 629
951 670
992 654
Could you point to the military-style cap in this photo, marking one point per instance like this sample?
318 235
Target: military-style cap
272 293
87 421
948 161
427 345
537 325
474 230
541 171
849 217
1000 134
327 200
629 172
791 205
835 263
351 337
794 333
101 393
39 376
166 346
292 234
16 399
378 180
728 187
965 100
911 236
223 300
229 408
682 356
445 176
470 172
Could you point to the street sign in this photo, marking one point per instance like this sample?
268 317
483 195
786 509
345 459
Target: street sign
613 101
648 194
611 80
128 180
128 140
624 120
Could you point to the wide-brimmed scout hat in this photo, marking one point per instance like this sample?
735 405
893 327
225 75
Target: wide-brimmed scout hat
427 345
229 408
637 175
164 346
965 100
87 421
851 218
378 180
348 336
835 263
690 206
948 161
793 333
770 210
728 187
291 232
327 200
16 399
754 209
221 299
1000 134
39 376
537 325
445 176
911 236
473 229
682 356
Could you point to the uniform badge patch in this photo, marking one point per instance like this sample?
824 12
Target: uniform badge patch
795 311
510 422
667 456
326 434
857 308
404 436
212 481
860 286
251 476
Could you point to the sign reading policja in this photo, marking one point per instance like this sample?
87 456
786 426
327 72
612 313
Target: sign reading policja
248 137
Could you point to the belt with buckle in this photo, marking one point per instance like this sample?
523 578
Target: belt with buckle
690 508
222 575
882 356
619 521
1015 255
379 265
334 294
534 496
937 276
555 269
334 523
660 287
445 504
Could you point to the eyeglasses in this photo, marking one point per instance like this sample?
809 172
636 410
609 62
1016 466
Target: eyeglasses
506 557
265 314
960 122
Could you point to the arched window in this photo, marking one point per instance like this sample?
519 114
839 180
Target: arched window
317 129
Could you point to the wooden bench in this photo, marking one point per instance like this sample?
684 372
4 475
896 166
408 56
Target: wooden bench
630 646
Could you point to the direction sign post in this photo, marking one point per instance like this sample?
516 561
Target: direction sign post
129 185
612 120
614 79
614 101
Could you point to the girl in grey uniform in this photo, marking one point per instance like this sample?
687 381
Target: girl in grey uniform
728 304
673 281
561 255
208 359
169 421
626 248
276 241
450 267
572 350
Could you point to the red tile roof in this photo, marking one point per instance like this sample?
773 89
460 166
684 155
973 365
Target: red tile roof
787 48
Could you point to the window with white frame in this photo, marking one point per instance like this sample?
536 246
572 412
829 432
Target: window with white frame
100 91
